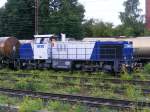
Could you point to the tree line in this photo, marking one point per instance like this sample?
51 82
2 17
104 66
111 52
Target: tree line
132 23
17 18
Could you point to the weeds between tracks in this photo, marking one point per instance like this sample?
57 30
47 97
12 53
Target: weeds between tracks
46 81
47 84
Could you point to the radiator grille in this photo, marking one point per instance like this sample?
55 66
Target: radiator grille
111 51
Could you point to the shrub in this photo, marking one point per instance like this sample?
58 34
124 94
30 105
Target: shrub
31 85
29 105
25 85
79 108
146 110
3 99
105 109
21 85
73 90
126 76
147 68
132 92
56 106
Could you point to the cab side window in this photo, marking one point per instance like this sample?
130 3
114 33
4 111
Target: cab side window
42 40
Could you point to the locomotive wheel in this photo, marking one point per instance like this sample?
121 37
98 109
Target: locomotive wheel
15 65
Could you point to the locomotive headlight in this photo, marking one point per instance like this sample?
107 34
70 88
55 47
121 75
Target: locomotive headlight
125 57
67 63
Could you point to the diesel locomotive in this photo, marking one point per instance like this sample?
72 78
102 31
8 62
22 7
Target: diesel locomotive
47 51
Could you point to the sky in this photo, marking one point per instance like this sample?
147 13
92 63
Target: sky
105 10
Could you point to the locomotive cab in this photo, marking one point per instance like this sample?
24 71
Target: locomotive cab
42 47
43 50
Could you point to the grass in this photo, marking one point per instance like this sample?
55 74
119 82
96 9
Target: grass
4 99
133 93
41 81
45 73
29 105
73 90
34 86
146 110
126 76
147 68
56 106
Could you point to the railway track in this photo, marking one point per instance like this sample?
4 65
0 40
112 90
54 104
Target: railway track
89 101
90 86
85 79
16 74
111 80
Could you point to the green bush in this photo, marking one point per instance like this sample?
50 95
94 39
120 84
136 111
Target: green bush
73 90
126 76
29 105
25 85
31 85
80 108
132 92
56 106
21 85
3 99
106 109
145 110
147 68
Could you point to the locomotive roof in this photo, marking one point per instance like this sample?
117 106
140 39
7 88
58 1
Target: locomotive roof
43 36
88 42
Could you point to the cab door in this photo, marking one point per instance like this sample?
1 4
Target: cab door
42 49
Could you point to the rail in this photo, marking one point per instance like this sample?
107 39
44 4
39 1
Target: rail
112 80
89 101
83 78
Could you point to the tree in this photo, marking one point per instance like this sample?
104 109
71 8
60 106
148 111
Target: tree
87 28
62 16
55 16
132 18
98 28
17 18
102 29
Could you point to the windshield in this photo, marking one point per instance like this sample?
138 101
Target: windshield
42 40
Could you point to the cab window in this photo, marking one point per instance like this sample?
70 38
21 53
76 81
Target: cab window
42 40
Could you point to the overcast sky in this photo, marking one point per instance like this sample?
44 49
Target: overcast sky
105 10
